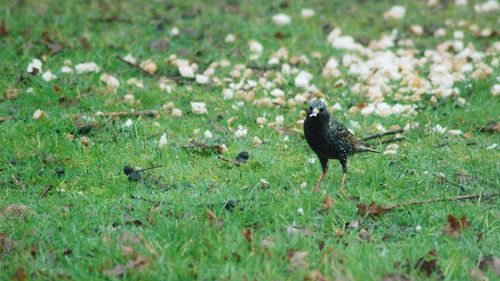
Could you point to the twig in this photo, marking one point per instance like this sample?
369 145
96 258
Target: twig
5 118
150 168
376 210
46 190
112 19
374 136
456 198
148 113
217 126
134 66
262 67
234 162
392 140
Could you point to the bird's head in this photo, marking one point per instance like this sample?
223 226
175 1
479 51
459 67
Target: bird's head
317 109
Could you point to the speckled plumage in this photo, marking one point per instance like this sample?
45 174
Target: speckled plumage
329 139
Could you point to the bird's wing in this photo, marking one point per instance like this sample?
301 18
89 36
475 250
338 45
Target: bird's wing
341 132
354 143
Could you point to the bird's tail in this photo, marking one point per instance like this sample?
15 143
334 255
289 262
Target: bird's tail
363 148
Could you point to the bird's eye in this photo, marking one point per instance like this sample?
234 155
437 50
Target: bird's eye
322 109
310 108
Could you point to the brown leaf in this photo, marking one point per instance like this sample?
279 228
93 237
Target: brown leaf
84 41
427 266
361 105
477 275
248 234
211 216
117 271
297 259
11 94
21 274
468 135
454 227
493 127
6 244
490 261
127 251
4 31
327 202
354 224
202 146
396 277
160 45
365 235
15 211
315 275
137 264
371 210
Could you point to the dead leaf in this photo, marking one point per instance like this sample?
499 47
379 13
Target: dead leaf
11 94
396 277
248 234
202 146
127 251
315 275
493 127
295 229
160 45
84 41
354 224
21 274
137 264
465 179
15 211
297 259
211 216
478 275
327 202
117 271
6 244
365 235
267 242
4 31
454 227
129 237
371 210
427 266
490 261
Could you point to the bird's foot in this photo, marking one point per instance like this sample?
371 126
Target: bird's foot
316 188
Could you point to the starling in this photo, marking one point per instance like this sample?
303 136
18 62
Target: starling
329 139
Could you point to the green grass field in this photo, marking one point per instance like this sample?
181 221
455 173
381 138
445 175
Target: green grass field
68 212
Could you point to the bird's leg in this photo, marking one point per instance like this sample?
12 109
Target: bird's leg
343 163
324 167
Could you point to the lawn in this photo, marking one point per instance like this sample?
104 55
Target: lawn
67 130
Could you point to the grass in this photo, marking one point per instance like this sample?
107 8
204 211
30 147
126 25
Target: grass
79 229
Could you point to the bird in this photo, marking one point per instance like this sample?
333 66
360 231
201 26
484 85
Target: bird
330 139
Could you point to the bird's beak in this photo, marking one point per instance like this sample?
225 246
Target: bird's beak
314 113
